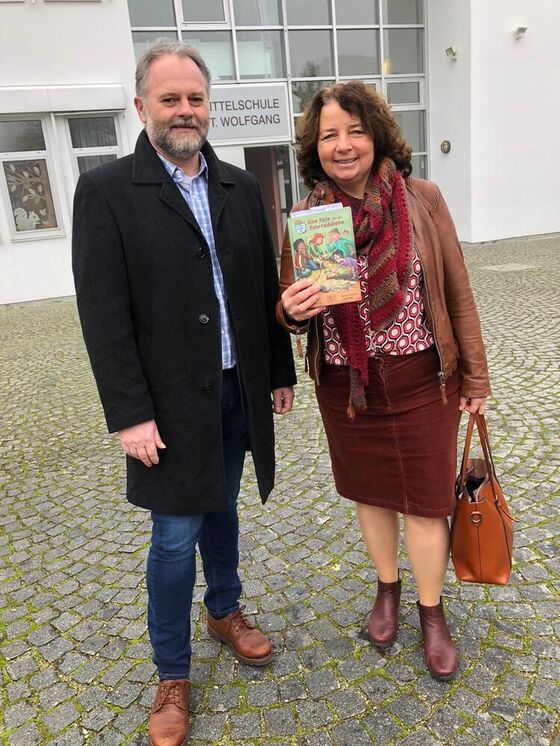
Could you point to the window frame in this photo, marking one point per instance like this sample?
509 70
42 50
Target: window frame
75 153
48 155
202 25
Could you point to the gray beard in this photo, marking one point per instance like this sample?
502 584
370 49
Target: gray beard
185 150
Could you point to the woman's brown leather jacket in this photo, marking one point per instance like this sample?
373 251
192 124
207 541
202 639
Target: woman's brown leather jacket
450 310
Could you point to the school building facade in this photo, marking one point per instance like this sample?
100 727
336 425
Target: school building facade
469 81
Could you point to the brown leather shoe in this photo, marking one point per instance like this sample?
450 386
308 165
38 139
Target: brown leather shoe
170 713
440 653
383 621
247 643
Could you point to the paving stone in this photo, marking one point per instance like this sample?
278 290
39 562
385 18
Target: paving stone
61 717
292 689
245 726
408 709
55 695
279 722
72 737
316 739
223 699
127 721
98 718
350 733
27 735
259 695
546 693
17 714
321 682
209 727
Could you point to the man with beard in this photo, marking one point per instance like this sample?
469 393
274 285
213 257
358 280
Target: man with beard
176 285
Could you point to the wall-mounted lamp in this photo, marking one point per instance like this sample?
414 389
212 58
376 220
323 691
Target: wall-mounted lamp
518 32
451 52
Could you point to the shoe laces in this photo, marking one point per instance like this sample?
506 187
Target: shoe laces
169 694
239 621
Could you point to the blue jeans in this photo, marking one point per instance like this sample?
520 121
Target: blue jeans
171 567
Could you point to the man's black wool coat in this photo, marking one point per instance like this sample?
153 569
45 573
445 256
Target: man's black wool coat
151 321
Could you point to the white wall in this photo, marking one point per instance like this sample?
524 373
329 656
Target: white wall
515 118
75 43
449 85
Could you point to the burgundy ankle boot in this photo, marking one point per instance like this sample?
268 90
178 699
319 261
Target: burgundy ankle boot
440 653
383 621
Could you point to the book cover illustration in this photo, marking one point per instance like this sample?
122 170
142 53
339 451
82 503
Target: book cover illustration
323 249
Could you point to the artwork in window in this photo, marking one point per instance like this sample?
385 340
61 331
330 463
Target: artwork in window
30 194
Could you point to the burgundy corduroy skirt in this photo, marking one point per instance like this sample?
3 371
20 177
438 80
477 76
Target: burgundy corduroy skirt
401 452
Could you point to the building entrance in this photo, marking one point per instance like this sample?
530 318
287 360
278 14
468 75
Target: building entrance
271 166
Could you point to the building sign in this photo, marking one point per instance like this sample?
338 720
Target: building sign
245 113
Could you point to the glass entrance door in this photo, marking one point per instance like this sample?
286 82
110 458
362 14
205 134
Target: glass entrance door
271 166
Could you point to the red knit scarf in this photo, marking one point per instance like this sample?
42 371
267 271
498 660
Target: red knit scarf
383 233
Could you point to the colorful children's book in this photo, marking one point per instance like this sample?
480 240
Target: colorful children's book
323 249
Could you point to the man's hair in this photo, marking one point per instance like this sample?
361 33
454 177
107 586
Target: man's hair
160 48
376 119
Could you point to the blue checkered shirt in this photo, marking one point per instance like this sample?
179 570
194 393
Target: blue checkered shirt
195 193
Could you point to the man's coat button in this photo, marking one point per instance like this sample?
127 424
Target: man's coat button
203 318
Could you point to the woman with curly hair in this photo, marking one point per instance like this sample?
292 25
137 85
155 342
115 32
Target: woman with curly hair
393 371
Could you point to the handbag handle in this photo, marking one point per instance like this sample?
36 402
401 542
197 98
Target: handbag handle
482 428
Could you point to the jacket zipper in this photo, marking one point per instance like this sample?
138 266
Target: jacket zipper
441 374
317 200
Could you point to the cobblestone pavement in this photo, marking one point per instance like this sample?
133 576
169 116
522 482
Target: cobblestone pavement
74 656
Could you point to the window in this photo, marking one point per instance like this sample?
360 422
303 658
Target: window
308 13
25 178
94 141
215 48
261 54
203 11
356 12
311 54
403 12
40 162
142 39
257 12
148 13
358 52
404 51
413 126
403 92
303 92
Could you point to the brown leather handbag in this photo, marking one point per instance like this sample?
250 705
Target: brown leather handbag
482 527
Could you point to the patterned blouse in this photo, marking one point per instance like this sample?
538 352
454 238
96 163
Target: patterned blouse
408 332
